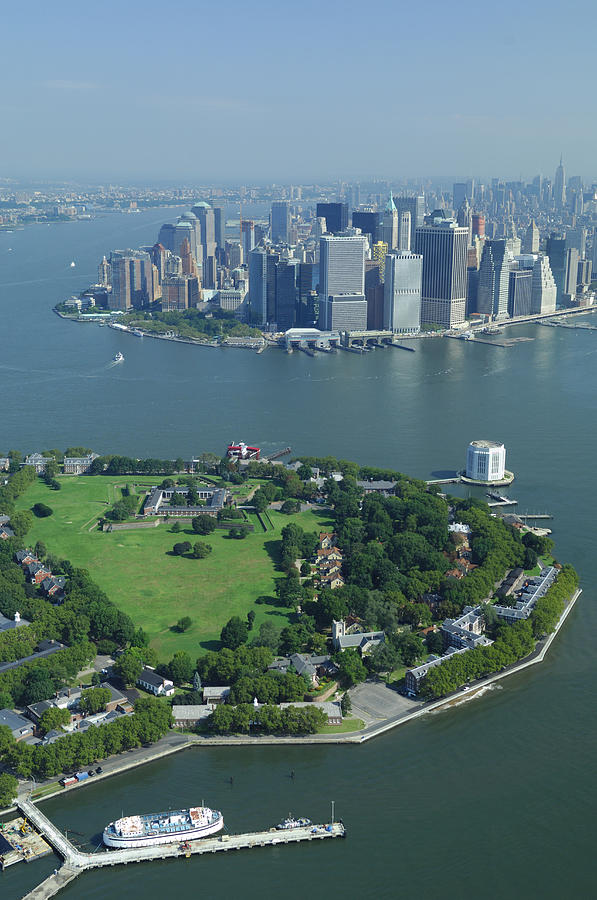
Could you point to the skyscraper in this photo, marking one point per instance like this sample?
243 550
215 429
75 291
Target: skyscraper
559 186
389 224
520 287
171 236
494 271
335 215
341 265
404 231
280 222
571 278
444 250
343 312
287 284
134 279
206 216
179 292
556 251
402 292
416 207
368 222
103 272
247 227
459 194
543 288
530 242
258 286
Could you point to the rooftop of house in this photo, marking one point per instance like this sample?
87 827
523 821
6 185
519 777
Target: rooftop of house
149 676
18 724
201 711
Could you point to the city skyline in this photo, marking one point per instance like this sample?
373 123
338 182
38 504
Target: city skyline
92 88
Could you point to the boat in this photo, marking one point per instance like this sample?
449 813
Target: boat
118 358
73 264
137 333
466 336
291 822
169 827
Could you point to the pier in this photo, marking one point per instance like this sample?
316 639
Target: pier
75 861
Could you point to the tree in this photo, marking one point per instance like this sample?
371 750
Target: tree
129 666
305 568
203 524
234 633
304 472
435 643
38 686
181 548
41 510
238 533
290 506
250 619
180 667
351 667
346 704
8 789
197 682
176 527
269 636
184 624
201 550
94 700
54 718
40 550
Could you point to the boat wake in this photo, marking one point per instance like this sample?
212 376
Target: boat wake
466 698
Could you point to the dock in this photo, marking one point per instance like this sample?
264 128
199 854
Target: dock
75 861
277 454
20 842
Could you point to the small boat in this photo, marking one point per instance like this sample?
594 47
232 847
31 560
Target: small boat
137 333
291 822
73 264
118 358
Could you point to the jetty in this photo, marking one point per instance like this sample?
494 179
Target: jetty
277 454
76 861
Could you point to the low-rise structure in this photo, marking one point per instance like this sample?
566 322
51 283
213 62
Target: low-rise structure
15 622
466 631
313 667
157 502
154 683
533 590
191 716
38 462
4 463
6 532
78 465
414 677
351 637
331 708
214 695
20 727
385 488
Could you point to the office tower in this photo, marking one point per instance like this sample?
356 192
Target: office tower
571 274
191 219
280 222
287 277
444 250
258 286
378 254
559 186
189 266
520 284
577 237
389 225
103 272
341 265
207 220
179 292
543 287
247 228
492 292
159 255
465 218
134 279
404 231
416 207
173 264
402 292
594 258
478 225
171 237
556 251
343 312
219 226
583 278
374 295
368 222
318 227
234 254
530 242
459 194
270 283
335 215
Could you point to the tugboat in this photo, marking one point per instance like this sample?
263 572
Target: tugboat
291 822
118 358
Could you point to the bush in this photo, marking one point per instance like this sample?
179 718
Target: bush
238 533
201 550
203 524
181 548
184 624
234 633
42 511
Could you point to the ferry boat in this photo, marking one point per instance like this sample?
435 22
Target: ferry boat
163 828
118 358
291 822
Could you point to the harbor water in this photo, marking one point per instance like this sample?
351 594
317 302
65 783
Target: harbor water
491 798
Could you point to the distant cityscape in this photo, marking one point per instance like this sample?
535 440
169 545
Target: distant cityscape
349 258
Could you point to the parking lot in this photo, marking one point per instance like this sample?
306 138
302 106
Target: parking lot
374 700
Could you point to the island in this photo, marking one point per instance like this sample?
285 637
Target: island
142 600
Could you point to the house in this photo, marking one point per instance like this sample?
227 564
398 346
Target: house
327 540
215 695
24 557
313 667
190 716
466 631
344 638
20 727
6 532
385 488
333 554
44 649
9 624
78 465
38 462
36 572
154 683
4 463
332 580
53 586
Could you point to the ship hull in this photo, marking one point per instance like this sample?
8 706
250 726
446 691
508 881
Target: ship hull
145 840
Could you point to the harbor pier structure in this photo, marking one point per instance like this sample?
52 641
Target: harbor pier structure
75 861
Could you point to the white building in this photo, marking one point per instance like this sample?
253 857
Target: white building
543 289
485 461
402 292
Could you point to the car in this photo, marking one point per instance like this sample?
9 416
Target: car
91 772
99 770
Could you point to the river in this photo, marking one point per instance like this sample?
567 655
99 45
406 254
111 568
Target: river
491 798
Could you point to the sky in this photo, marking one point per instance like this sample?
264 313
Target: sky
279 92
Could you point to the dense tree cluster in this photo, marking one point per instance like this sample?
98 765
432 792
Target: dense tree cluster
192 323
268 688
267 719
126 465
227 666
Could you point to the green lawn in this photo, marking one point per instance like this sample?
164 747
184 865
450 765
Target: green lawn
139 575
347 726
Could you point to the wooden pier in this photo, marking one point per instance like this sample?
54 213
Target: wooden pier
76 861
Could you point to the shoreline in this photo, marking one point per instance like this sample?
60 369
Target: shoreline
353 738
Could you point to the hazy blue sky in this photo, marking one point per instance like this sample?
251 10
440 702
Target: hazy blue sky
314 89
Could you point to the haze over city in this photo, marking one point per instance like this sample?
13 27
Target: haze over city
259 91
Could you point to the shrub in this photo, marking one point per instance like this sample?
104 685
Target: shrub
42 511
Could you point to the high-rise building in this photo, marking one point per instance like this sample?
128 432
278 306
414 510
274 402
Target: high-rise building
171 237
378 253
134 279
492 291
556 251
368 222
335 215
530 242
287 287
206 216
444 250
258 286
520 284
219 226
543 287
577 237
103 272
594 259
389 224
559 186
247 228
343 312
179 292
465 218
570 282
478 223
416 207
374 295
341 265
402 292
280 222
459 194
404 231
189 266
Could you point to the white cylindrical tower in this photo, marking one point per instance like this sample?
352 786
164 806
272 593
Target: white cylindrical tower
485 461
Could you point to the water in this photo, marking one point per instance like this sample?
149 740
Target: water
492 798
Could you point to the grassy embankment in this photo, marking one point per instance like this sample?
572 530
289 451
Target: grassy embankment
138 573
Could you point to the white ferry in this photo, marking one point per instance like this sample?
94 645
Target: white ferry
118 358
163 828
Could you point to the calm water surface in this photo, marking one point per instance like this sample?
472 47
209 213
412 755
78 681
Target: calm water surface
494 798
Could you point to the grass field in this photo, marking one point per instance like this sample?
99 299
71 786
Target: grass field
139 575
